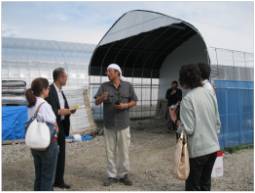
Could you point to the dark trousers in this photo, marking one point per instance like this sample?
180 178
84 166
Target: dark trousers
200 173
45 167
61 157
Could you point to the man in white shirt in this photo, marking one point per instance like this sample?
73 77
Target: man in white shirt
60 98
62 111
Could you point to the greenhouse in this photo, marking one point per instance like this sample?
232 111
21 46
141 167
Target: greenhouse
150 48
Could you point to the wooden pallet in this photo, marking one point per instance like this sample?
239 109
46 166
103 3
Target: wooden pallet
13 142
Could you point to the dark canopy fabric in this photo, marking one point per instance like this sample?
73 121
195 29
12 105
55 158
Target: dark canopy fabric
140 55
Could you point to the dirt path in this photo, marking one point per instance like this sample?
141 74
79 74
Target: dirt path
151 156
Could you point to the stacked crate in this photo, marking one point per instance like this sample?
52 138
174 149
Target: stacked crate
13 92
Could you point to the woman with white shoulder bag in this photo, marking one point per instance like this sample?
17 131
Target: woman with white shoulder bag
41 135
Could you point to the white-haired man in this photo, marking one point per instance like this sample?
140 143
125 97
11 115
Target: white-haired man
118 97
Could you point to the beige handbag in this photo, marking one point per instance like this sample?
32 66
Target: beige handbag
182 168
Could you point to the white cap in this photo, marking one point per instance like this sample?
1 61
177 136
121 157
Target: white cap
115 67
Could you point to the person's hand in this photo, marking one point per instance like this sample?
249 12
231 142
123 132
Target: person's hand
64 112
172 107
121 106
178 123
73 111
173 92
74 108
104 96
56 127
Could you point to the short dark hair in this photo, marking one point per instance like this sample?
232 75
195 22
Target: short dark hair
190 76
57 72
175 82
205 70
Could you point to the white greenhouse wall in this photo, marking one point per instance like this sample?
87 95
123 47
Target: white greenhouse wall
189 52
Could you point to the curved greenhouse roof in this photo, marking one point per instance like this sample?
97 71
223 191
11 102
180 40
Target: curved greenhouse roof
141 40
143 43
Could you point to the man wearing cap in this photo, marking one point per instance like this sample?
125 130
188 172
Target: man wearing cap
118 97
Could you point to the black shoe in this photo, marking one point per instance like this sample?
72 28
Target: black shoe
125 180
109 181
62 186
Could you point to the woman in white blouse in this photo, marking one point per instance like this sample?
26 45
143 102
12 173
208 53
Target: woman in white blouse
44 161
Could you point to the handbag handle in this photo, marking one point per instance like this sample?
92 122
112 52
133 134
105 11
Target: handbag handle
183 137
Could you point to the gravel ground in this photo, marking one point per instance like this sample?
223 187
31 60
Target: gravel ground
151 155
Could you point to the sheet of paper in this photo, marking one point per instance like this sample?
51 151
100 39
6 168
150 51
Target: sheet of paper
82 120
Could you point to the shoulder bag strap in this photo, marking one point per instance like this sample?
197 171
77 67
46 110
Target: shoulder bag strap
37 110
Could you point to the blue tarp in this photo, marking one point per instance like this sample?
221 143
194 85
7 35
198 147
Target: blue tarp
86 137
235 101
13 122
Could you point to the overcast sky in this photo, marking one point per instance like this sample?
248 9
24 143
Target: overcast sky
223 24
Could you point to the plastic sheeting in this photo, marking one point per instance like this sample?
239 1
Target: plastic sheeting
13 122
231 65
27 59
136 22
235 101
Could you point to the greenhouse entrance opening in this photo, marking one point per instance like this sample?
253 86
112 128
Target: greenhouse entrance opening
150 48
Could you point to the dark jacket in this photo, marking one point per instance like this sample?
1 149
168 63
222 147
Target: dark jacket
173 99
54 102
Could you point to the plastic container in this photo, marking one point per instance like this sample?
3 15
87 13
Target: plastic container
218 169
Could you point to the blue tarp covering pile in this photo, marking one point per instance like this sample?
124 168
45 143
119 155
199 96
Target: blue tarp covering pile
235 101
13 122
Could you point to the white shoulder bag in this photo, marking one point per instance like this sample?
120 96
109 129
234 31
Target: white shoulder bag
38 135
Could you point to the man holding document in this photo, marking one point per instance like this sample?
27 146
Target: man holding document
118 97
